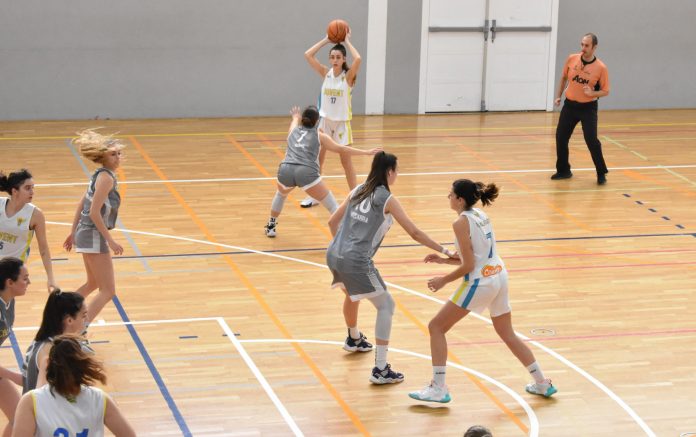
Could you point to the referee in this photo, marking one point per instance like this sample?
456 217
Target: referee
587 80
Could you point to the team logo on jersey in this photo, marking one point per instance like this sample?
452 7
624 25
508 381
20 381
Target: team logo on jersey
489 270
20 221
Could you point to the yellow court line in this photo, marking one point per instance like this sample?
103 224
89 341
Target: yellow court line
434 129
408 314
254 291
471 377
265 172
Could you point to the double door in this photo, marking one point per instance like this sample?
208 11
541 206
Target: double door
488 55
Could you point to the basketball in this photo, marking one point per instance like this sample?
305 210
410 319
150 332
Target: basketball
337 30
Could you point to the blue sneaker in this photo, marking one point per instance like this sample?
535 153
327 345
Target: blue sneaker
432 393
359 345
386 376
545 389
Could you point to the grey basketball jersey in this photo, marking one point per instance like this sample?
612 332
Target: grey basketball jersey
109 211
7 316
361 231
30 368
303 147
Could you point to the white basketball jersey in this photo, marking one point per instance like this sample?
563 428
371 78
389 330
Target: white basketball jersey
15 235
486 259
334 103
56 416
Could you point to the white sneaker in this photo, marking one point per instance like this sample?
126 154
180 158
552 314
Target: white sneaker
309 202
432 393
545 389
270 229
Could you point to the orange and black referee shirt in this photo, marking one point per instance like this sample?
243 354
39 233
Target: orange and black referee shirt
579 74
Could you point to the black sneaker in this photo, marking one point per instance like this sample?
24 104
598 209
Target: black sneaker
359 345
556 176
601 179
386 376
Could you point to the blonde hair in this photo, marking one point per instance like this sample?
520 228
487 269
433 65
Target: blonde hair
94 145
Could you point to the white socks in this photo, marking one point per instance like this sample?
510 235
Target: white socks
439 375
536 372
381 356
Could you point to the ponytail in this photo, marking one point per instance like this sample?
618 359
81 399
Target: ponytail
472 192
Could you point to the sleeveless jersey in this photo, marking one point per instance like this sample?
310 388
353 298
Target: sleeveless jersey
362 230
15 235
109 211
30 368
56 416
335 99
486 259
303 147
7 316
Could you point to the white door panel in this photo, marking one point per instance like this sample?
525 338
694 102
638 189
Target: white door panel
517 71
448 13
521 13
455 63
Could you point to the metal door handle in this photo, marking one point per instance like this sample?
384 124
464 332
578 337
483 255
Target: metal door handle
485 31
493 29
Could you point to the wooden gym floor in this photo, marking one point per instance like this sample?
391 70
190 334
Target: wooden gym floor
236 334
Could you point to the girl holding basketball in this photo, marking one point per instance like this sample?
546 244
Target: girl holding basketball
20 220
95 216
484 285
300 167
335 99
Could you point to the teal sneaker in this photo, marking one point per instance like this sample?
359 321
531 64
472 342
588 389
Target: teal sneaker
545 389
432 393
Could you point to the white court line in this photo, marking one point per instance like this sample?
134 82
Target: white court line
533 420
433 173
230 334
554 354
259 376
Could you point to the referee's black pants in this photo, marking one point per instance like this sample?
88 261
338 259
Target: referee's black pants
572 113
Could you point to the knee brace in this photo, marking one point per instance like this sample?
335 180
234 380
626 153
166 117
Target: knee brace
385 311
278 202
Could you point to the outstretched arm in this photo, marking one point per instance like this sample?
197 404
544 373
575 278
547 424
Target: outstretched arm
329 144
394 208
296 116
461 233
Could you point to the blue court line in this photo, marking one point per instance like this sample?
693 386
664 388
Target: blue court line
16 349
153 370
131 329
77 156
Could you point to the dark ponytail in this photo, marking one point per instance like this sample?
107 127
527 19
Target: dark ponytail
14 180
310 116
60 304
381 164
472 192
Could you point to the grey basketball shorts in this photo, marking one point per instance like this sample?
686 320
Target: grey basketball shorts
296 175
